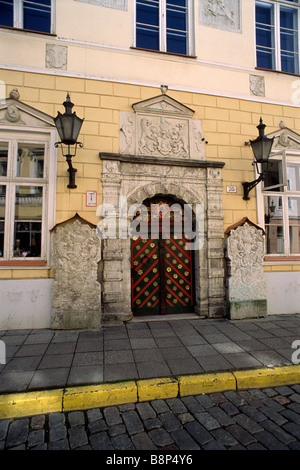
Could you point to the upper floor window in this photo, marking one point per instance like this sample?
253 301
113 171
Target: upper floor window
34 15
277 39
164 25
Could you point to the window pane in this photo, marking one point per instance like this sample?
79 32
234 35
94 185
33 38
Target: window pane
30 161
37 15
274 224
147 24
293 177
2 218
177 26
7 12
28 221
265 39
289 39
294 224
274 175
3 158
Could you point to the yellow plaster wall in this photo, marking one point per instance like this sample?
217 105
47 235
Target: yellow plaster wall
227 124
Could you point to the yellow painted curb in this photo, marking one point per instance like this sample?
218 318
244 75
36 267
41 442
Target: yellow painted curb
153 389
260 378
97 396
206 383
30 403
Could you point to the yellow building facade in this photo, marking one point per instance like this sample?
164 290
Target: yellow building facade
98 51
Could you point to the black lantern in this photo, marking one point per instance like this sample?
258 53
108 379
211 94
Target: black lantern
68 126
261 147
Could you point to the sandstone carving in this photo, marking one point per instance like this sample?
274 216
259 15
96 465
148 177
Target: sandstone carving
76 294
246 289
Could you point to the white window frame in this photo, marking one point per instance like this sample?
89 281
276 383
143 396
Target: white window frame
163 29
18 15
48 182
287 157
277 4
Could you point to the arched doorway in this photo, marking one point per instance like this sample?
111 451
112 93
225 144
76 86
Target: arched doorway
162 264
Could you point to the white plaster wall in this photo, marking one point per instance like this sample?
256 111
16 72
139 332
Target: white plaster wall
283 292
25 304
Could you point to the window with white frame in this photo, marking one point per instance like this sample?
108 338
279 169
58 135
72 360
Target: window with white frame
34 15
277 35
164 25
281 203
24 196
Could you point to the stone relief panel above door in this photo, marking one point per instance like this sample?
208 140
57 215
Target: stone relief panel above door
161 127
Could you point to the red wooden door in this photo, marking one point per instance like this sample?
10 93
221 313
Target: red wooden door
162 266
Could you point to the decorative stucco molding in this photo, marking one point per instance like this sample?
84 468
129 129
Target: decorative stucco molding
161 127
116 4
224 14
56 57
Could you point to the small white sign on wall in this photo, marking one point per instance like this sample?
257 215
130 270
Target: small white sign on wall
91 199
231 189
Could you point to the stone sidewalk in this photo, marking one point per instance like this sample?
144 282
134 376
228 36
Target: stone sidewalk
48 359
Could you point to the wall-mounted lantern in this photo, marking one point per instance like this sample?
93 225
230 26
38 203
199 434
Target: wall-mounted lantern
68 126
261 147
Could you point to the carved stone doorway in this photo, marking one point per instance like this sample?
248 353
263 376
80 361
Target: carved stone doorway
162 274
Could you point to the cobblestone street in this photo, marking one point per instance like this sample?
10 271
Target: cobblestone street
267 419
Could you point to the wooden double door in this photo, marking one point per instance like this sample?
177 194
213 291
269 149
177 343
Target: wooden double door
162 263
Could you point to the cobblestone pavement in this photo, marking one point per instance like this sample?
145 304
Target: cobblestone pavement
267 419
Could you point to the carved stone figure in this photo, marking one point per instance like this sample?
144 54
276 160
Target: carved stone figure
56 56
76 294
246 289
257 85
224 14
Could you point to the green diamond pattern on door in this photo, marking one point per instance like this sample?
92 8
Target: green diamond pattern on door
162 269
179 279
145 276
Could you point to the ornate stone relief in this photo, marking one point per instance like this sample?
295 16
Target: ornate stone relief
222 14
117 4
56 56
246 289
285 139
76 294
161 127
257 85
14 112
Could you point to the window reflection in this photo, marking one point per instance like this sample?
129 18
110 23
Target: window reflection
3 158
28 221
2 217
294 224
30 161
274 224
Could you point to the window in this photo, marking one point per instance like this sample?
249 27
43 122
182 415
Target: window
281 201
34 15
164 25
277 40
24 189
